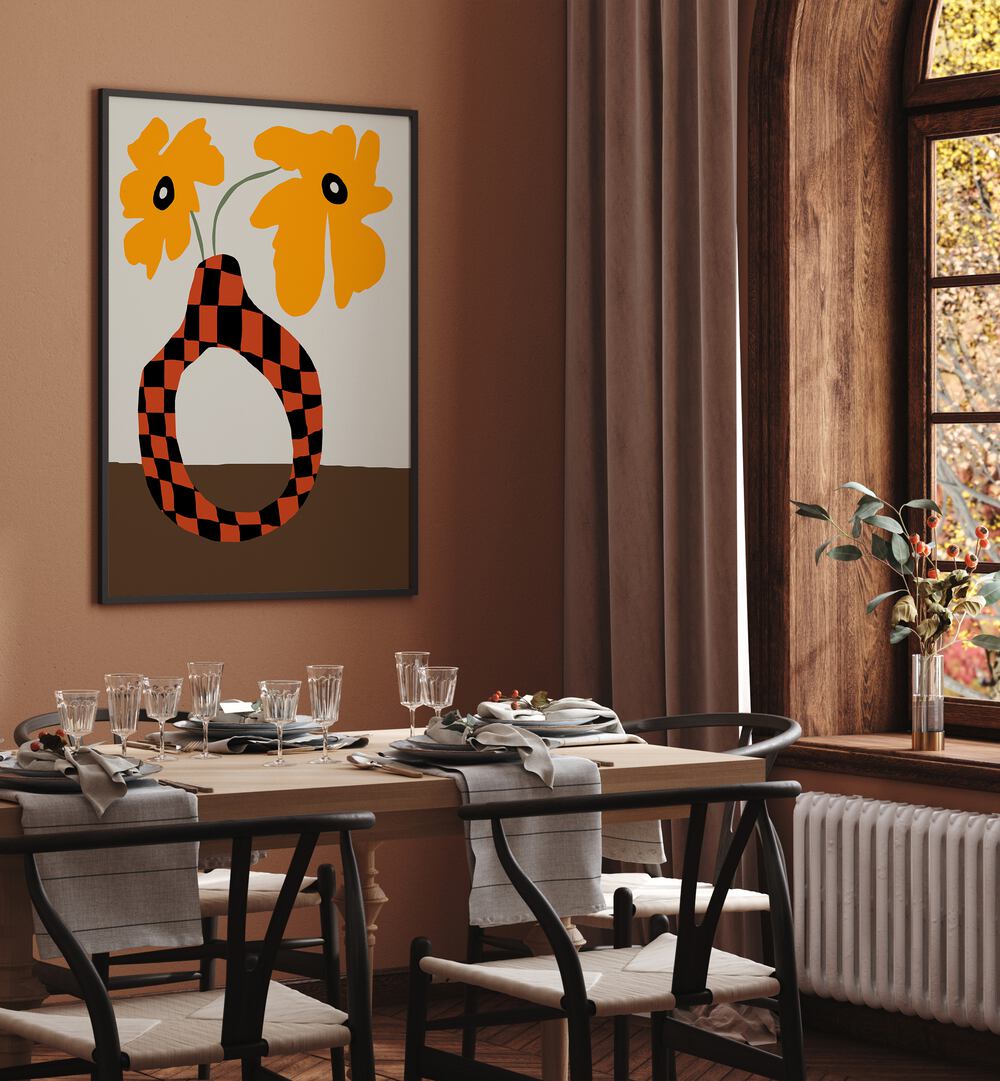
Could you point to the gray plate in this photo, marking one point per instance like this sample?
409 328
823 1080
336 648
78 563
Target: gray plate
428 750
13 777
225 729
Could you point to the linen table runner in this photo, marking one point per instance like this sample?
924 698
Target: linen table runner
561 854
117 898
629 842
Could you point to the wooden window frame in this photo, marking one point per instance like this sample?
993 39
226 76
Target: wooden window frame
940 108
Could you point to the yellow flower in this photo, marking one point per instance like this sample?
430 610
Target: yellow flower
161 191
334 191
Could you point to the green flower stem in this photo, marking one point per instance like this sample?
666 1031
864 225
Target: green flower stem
229 191
197 233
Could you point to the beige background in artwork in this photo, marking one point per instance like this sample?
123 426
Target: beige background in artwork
489 81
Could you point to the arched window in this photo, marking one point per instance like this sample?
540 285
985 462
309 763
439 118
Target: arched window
952 87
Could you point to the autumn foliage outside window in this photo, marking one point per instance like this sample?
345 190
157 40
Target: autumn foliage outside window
956 306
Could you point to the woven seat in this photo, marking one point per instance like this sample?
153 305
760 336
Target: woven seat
662 897
213 893
612 986
182 1028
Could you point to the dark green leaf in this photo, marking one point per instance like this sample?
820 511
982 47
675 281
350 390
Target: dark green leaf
812 510
856 528
853 484
900 550
876 601
867 506
846 553
880 547
899 632
924 504
987 641
822 548
880 521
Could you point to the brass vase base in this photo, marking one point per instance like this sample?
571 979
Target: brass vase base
928 741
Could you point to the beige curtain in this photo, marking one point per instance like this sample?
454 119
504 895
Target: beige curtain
652 524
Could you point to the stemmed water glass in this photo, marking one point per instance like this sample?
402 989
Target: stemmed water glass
279 699
125 690
438 685
409 665
77 710
205 678
163 696
325 681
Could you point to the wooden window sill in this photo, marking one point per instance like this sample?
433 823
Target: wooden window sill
964 763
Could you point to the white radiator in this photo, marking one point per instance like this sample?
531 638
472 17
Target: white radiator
896 907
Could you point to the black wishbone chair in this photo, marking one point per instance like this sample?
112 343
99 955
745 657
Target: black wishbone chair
601 983
760 735
189 1027
294 955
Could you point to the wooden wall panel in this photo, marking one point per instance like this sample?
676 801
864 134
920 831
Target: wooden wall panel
826 372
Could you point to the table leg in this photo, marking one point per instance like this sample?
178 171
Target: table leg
555 1035
372 894
19 990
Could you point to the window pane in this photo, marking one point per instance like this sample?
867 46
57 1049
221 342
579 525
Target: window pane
967 340
967 212
967 476
971 672
967 38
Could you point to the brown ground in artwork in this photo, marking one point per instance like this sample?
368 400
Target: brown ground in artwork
352 534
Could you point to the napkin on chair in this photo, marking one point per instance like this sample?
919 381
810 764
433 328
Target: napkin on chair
101 777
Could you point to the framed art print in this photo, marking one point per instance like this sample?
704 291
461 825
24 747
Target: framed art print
258 349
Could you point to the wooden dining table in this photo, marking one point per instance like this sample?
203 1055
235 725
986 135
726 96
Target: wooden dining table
406 809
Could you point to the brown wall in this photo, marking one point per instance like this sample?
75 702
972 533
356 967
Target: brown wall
488 79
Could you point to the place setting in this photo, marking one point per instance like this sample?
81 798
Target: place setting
270 725
504 728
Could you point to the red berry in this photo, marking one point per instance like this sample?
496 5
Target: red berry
515 694
952 550
35 745
914 538
496 696
971 561
932 572
934 520
982 531
983 542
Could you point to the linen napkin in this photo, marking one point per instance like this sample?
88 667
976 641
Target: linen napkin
535 757
117 898
568 711
561 854
101 777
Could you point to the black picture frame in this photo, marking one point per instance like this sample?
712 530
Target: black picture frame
104 595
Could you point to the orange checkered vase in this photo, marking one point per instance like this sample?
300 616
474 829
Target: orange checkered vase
220 313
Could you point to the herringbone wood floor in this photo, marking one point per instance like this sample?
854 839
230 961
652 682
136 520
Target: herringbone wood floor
516 1048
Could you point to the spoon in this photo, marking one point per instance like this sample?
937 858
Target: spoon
362 761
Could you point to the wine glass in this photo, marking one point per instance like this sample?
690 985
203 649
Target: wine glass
409 665
205 678
325 681
438 684
77 710
125 690
163 696
279 699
